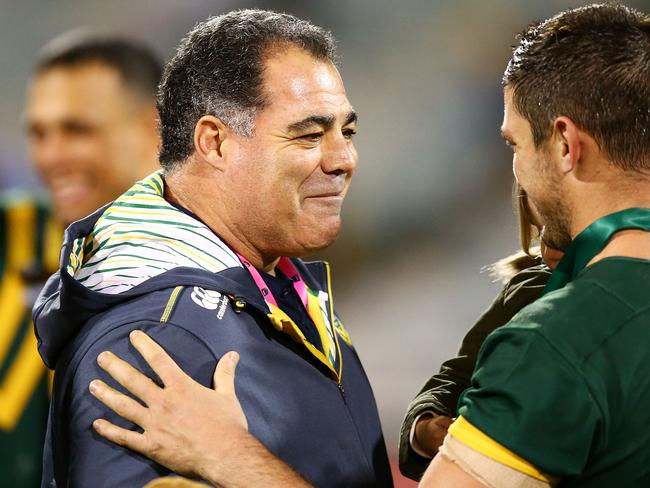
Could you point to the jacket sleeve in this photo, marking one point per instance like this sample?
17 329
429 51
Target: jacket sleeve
94 461
441 392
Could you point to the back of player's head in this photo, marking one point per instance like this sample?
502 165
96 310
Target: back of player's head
591 64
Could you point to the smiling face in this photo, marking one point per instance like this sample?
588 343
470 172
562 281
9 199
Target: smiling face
88 134
538 175
286 183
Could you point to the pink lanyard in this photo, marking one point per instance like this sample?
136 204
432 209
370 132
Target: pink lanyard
286 266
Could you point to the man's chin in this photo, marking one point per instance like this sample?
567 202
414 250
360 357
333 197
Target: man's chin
558 240
68 214
317 241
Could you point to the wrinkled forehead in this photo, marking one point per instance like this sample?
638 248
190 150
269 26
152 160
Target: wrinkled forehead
296 80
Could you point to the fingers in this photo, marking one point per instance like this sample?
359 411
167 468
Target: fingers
164 366
123 437
118 402
224 374
127 376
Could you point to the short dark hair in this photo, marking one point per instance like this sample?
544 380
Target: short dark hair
218 70
591 64
138 66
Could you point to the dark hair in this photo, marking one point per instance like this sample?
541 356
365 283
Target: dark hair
139 67
218 70
591 64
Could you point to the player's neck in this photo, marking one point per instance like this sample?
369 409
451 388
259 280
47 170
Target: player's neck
181 189
631 243
591 202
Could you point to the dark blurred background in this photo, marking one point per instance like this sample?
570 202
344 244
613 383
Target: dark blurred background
430 205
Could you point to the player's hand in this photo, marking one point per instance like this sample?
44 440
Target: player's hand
187 427
430 432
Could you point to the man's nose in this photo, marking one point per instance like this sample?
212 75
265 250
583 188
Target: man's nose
339 156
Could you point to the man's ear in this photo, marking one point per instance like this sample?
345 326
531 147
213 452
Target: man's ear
566 143
210 133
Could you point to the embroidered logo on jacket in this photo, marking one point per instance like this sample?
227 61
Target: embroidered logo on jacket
210 300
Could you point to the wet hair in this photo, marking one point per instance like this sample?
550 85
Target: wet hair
138 66
218 70
591 64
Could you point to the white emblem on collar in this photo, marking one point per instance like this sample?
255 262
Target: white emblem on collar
210 300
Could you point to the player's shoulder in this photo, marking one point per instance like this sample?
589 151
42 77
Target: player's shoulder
580 318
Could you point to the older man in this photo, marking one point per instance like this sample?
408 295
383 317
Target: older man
559 394
258 155
91 125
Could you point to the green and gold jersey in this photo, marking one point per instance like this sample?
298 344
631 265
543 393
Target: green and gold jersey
29 245
565 386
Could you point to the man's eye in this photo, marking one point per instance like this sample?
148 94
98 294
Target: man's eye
35 133
349 133
75 128
315 137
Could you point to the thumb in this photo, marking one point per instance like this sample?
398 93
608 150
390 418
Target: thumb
224 373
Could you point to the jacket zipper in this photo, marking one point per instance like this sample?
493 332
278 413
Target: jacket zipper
342 391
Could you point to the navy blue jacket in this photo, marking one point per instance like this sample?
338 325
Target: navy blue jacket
328 432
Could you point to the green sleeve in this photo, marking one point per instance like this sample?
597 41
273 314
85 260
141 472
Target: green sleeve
533 400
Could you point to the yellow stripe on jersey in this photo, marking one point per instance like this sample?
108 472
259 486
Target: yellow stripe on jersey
13 310
282 322
52 245
19 383
472 437
20 232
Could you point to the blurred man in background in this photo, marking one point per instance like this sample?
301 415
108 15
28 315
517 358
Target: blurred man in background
91 124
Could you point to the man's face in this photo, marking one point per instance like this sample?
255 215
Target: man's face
288 181
85 136
538 175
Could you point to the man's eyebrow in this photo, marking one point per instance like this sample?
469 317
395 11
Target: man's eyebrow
324 121
352 117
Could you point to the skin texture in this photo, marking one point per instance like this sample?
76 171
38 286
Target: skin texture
279 192
571 182
90 137
550 255
430 432
442 473
175 482
537 175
